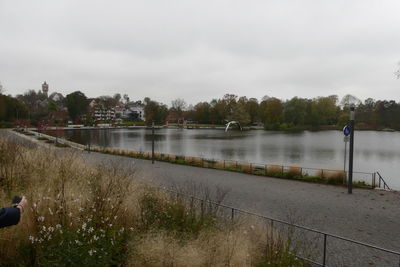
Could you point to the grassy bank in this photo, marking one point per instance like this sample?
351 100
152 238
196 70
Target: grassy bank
334 177
99 216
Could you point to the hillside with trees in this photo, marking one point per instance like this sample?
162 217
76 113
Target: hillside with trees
271 113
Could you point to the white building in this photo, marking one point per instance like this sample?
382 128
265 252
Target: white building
101 114
134 111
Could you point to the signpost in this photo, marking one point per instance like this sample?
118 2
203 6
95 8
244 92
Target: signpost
346 132
350 180
152 142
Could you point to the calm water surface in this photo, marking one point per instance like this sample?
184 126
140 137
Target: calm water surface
374 151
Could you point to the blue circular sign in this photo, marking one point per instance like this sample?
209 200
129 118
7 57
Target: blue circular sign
346 130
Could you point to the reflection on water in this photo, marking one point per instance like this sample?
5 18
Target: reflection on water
374 151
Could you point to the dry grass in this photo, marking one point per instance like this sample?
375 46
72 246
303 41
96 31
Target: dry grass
79 214
63 194
294 171
246 243
333 176
247 168
274 169
189 159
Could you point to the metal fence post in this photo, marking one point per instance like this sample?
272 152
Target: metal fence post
373 179
265 169
324 258
202 208
272 230
233 214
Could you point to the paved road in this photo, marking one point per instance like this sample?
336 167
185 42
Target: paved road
371 216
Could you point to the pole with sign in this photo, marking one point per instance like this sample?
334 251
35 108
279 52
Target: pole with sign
346 132
152 142
350 180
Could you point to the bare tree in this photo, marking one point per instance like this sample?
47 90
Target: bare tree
179 105
348 100
126 98
397 73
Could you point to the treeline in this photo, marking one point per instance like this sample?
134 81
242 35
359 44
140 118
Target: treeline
11 109
271 112
297 112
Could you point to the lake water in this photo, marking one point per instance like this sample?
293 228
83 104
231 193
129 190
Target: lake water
373 151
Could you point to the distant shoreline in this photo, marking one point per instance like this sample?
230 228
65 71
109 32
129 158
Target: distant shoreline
219 127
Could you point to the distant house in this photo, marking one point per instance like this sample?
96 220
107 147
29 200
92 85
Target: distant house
119 110
56 97
134 111
99 113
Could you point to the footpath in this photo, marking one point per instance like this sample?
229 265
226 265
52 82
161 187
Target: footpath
370 216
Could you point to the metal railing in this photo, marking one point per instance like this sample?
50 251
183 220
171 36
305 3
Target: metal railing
274 170
324 237
382 182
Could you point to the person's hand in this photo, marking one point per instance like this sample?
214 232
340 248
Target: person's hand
22 204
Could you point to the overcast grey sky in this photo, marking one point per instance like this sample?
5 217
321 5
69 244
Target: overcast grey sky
199 50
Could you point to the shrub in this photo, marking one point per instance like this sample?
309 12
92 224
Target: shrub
293 172
173 215
274 170
333 177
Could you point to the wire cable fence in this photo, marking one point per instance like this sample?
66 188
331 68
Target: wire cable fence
329 176
318 248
